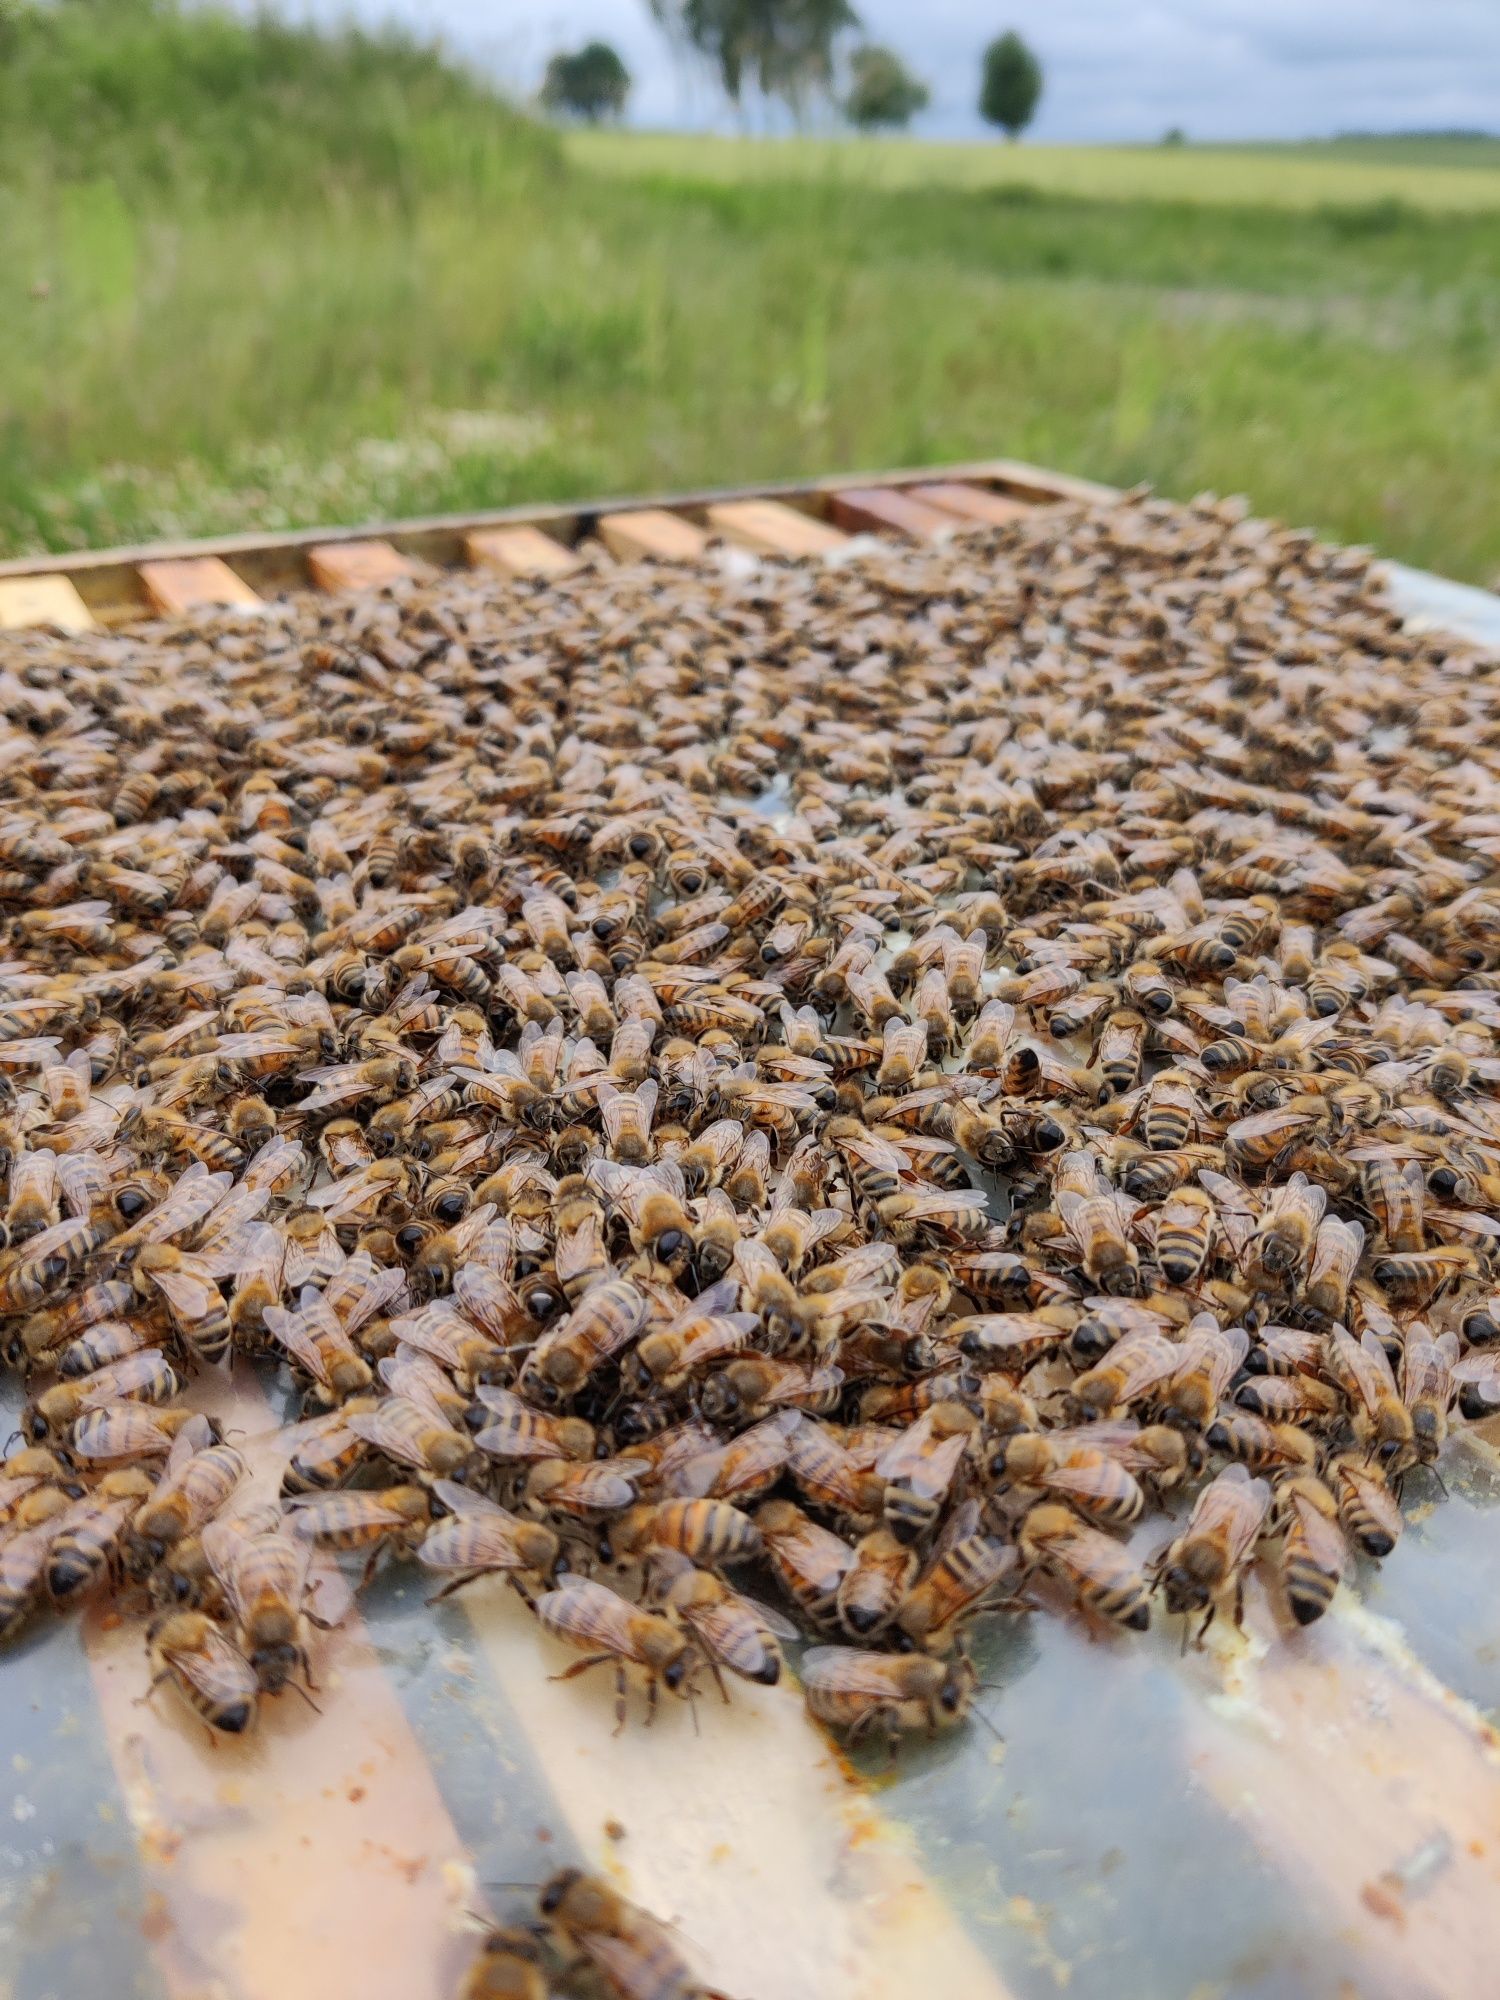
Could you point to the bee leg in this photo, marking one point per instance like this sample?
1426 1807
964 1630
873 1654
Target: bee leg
621 1697
713 1668
582 1666
372 1563
1203 1628
457 1583
144 1700
1239 1605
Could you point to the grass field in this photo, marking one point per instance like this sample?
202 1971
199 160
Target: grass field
1447 177
253 278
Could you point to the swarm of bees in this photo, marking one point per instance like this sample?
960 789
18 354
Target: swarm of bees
860 1081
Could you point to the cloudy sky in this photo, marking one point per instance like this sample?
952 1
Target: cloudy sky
1221 68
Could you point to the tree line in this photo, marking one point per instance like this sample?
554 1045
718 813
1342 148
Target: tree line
797 53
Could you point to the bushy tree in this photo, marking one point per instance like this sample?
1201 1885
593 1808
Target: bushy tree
1011 86
593 83
784 48
882 90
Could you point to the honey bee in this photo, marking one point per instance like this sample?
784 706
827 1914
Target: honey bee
1427 1389
191 1295
1282 1247
147 1377
1395 1197
808 1561
479 1538
33 1195
1336 1254
1381 1420
877 1583
1211 1553
730 1630
604 1323
1099 1572
1313 1551
1207 1361
609 1631
1368 1510
1136 1366
509 1965
891 1694
38 1520
650 1198
418 1436
965 1569
1096 1228
46 1264
197 1480
708 1532
1186 1227
1093 1482
626 1948
920 1467
374 1519
212 1676
263 1576
319 1344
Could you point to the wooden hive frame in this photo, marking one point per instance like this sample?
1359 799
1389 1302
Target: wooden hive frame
115 586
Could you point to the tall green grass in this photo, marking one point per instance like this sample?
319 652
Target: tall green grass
284 278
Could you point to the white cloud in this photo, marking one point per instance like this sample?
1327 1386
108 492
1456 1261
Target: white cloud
1221 68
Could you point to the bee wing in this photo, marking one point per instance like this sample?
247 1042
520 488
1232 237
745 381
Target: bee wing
1235 1505
418 1378
465 1500
196 1435
396 1427
1324 1539
1086 1475
184 1205
313 1259
189 1290
734 1634
589 1611
289 1330
119 1430
848 1670
362 1290
1427 1367
874 1152
268 1042
312 1515
1482 1367
82 1179
216 1671
489 1302
278 1162
341 1083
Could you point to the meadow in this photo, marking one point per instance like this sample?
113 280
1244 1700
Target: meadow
254 277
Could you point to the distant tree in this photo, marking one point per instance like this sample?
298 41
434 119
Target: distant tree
882 90
784 48
1011 86
593 83
1174 136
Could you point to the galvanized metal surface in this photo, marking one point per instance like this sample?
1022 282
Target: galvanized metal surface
1291 1813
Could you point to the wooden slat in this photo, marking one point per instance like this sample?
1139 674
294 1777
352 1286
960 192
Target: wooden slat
883 511
771 528
357 565
652 531
520 552
43 600
191 582
312 1858
973 503
785 1880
